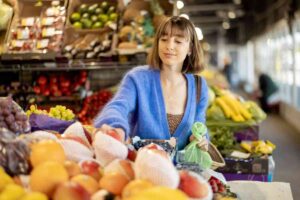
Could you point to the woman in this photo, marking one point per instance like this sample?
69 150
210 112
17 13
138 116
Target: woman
158 101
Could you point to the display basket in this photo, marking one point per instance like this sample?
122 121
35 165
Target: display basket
218 160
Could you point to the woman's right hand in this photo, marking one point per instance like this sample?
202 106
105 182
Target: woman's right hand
106 128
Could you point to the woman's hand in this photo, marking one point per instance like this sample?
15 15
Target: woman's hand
202 143
106 128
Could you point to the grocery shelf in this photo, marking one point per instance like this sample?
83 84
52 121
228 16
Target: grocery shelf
10 68
77 66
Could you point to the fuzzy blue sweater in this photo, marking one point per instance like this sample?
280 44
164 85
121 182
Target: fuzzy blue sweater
138 107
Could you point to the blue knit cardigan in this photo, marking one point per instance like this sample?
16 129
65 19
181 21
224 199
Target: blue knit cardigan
138 107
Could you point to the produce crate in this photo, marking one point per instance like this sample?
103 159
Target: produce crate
37 41
261 165
249 177
75 4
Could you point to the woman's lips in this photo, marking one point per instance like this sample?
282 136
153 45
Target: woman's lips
168 55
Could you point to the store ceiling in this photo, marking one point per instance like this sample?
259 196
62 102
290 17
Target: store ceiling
237 20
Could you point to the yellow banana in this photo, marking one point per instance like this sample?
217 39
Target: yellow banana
270 144
231 104
220 102
246 146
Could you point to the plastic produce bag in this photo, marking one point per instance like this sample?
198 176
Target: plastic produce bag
44 122
6 13
193 153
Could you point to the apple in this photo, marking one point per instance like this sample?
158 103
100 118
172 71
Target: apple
114 182
86 181
75 138
42 80
37 89
72 168
131 155
114 134
71 191
193 184
91 168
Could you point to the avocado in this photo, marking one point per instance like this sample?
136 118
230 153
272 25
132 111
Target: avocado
103 18
86 23
111 9
97 25
75 17
113 16
104 6
98 11
85 15
77 25
83 8
94 18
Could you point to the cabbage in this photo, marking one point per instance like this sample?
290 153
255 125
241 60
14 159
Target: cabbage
6 13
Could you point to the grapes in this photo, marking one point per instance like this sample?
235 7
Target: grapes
12 116
58 112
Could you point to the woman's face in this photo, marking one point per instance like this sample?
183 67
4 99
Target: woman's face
173 48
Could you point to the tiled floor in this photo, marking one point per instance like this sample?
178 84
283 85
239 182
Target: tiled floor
287 154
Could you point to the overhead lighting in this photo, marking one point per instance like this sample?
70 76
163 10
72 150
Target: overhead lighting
226 25
238 2
185 16
206 46
199 33
179 4
231 15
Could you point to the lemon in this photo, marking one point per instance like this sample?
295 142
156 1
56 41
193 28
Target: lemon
12 192
34 196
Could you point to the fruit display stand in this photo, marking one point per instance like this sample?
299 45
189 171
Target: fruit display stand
234 129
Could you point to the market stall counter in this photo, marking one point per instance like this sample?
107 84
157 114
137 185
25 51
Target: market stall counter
249 190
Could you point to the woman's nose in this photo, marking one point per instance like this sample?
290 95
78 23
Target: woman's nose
170 45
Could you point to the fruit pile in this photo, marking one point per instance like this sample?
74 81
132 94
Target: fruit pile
225 105
94 16
220 190
12 116
92 105
58 85
258 147
107 174
58 112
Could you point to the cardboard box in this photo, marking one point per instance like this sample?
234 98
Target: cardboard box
249 177
246 166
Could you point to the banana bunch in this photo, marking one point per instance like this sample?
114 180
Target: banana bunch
259 146
233 108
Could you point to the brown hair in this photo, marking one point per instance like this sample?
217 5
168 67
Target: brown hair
192 63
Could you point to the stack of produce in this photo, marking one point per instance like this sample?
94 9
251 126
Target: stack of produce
76 167
94 16
92 105
59 85
58 112
226 108
6 13
39 34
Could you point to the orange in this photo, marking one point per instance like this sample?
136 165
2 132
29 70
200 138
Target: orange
46 150
86 181
46 176
135 186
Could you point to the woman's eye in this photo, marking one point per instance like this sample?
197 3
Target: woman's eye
163 39
178 42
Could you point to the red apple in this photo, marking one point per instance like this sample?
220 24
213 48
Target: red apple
42 80
114 134
37 89
71 191
91 168
131 155
191 185
76 138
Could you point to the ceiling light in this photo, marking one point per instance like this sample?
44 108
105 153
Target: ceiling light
185 16
238 2
179 4
199 33
226 25
231 15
